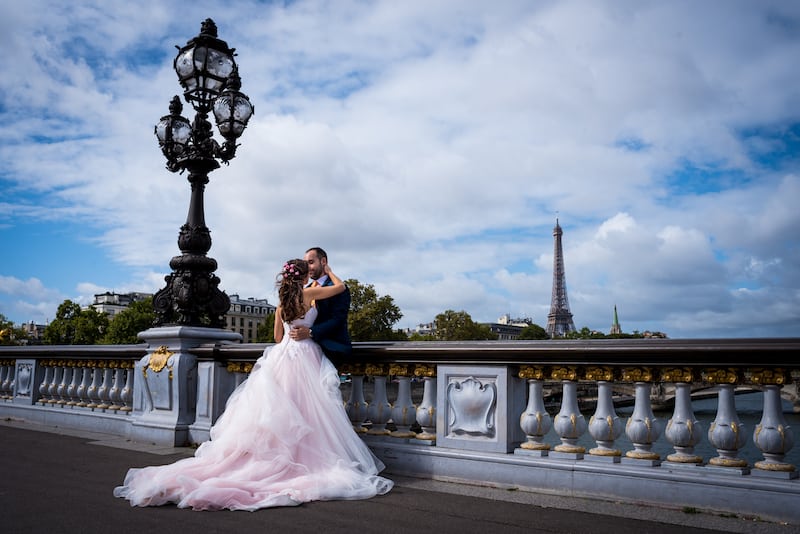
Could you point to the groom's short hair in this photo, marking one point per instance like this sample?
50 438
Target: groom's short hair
321 254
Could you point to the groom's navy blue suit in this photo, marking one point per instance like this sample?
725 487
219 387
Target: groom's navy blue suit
330 328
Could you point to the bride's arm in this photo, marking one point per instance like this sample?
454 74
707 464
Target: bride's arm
324 292
277 330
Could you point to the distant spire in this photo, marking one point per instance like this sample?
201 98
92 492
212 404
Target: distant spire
615 328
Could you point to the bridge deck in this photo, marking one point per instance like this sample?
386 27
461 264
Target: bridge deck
65 479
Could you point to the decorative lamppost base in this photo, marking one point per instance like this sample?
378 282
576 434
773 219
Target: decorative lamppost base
168 392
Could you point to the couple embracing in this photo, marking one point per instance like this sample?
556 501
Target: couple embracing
329 330
284 437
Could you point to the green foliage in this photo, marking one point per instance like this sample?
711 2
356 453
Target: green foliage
586 333
459 326
371 317
416 336
125 326
265 333
533 331
398 335
73 326
9 334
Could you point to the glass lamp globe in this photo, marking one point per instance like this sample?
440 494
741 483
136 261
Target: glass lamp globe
203 67
232 109
174 131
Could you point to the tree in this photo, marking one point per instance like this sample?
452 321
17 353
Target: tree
371 317
9 334
73 326
126 325
585 333
459 326
416 336
265 333
533 331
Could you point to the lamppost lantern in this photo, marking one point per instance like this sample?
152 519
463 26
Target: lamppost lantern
210 78
203 66
232 111
174 133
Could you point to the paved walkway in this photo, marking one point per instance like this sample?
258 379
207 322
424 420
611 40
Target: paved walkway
54 480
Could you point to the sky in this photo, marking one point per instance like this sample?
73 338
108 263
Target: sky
429 148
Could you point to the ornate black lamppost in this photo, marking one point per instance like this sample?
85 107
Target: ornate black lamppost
209 75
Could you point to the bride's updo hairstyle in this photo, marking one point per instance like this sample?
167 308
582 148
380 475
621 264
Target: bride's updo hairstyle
290 288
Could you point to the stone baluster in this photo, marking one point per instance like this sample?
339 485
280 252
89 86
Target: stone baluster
44 387
773 436
240 372
426 411
642 428
5 370
10 381
605 425
115 395
86 381
245 370
93 391
379 409
126 397
7 386
104 391
569 423
58 376
356 406
683 430
72 387
534 421
63 386
726 433
404 413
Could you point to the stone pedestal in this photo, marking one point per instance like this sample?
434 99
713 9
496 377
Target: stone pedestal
27 375
166 385
480 408
214 386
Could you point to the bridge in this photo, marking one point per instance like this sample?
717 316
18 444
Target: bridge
472 414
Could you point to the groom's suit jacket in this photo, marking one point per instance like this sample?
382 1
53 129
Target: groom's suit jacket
330 327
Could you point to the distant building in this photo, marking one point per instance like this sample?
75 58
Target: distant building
508 329
422 329
246 315
113 303
647 334
507 320
34 331
505 332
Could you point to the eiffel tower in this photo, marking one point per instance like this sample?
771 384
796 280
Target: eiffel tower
559 320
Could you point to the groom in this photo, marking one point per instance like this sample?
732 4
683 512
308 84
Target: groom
330 328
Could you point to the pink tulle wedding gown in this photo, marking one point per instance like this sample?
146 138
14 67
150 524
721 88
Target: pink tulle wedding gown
283 439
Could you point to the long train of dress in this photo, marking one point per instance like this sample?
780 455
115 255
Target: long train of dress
283 439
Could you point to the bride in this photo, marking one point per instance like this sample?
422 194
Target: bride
284 437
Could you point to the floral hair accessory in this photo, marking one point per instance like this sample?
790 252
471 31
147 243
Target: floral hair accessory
290 270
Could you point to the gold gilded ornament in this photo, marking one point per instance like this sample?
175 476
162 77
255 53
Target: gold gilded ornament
158 359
